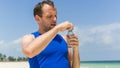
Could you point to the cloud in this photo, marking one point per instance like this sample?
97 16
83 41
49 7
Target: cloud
101 35
1 42
12 48
105 28
17 41
100 42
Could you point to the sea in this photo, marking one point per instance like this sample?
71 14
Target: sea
100 64
83 64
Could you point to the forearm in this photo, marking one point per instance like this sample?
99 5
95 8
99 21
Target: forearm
41 42
76 58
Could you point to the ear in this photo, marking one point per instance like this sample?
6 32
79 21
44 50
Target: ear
37 18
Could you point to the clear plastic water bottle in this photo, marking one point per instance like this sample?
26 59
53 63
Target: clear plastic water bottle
70 33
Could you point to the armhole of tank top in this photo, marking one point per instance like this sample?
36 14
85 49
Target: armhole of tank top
32 35
63 37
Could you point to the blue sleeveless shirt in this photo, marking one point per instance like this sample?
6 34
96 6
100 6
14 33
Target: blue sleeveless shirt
55 55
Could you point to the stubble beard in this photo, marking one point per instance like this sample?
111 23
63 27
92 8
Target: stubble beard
47 29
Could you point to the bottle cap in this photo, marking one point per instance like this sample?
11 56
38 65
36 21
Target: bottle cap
70 32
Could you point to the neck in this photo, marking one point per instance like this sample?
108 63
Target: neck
41 31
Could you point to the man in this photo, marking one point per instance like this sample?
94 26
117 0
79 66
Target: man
45 48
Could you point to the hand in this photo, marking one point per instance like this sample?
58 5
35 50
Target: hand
73 41
65 26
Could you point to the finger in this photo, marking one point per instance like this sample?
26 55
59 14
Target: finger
73 44
72 36
73 39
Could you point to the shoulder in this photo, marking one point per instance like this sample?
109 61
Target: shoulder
27 39
28 36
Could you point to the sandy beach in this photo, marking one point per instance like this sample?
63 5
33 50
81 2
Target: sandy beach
17 65
14 65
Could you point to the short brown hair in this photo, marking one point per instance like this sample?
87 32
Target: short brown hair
38 8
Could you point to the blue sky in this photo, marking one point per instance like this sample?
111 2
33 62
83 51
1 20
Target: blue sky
97 23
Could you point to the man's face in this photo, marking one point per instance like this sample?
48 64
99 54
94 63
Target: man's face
49 17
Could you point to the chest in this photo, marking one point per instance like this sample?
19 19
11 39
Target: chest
56 47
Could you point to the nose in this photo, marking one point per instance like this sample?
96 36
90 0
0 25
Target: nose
54 19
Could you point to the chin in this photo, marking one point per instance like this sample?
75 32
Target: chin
52 27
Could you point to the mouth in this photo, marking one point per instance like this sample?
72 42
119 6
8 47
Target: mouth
54 24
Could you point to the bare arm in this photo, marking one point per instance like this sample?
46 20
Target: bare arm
74 58
70 57
32 46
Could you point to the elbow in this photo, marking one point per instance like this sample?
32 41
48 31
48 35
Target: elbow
28 53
